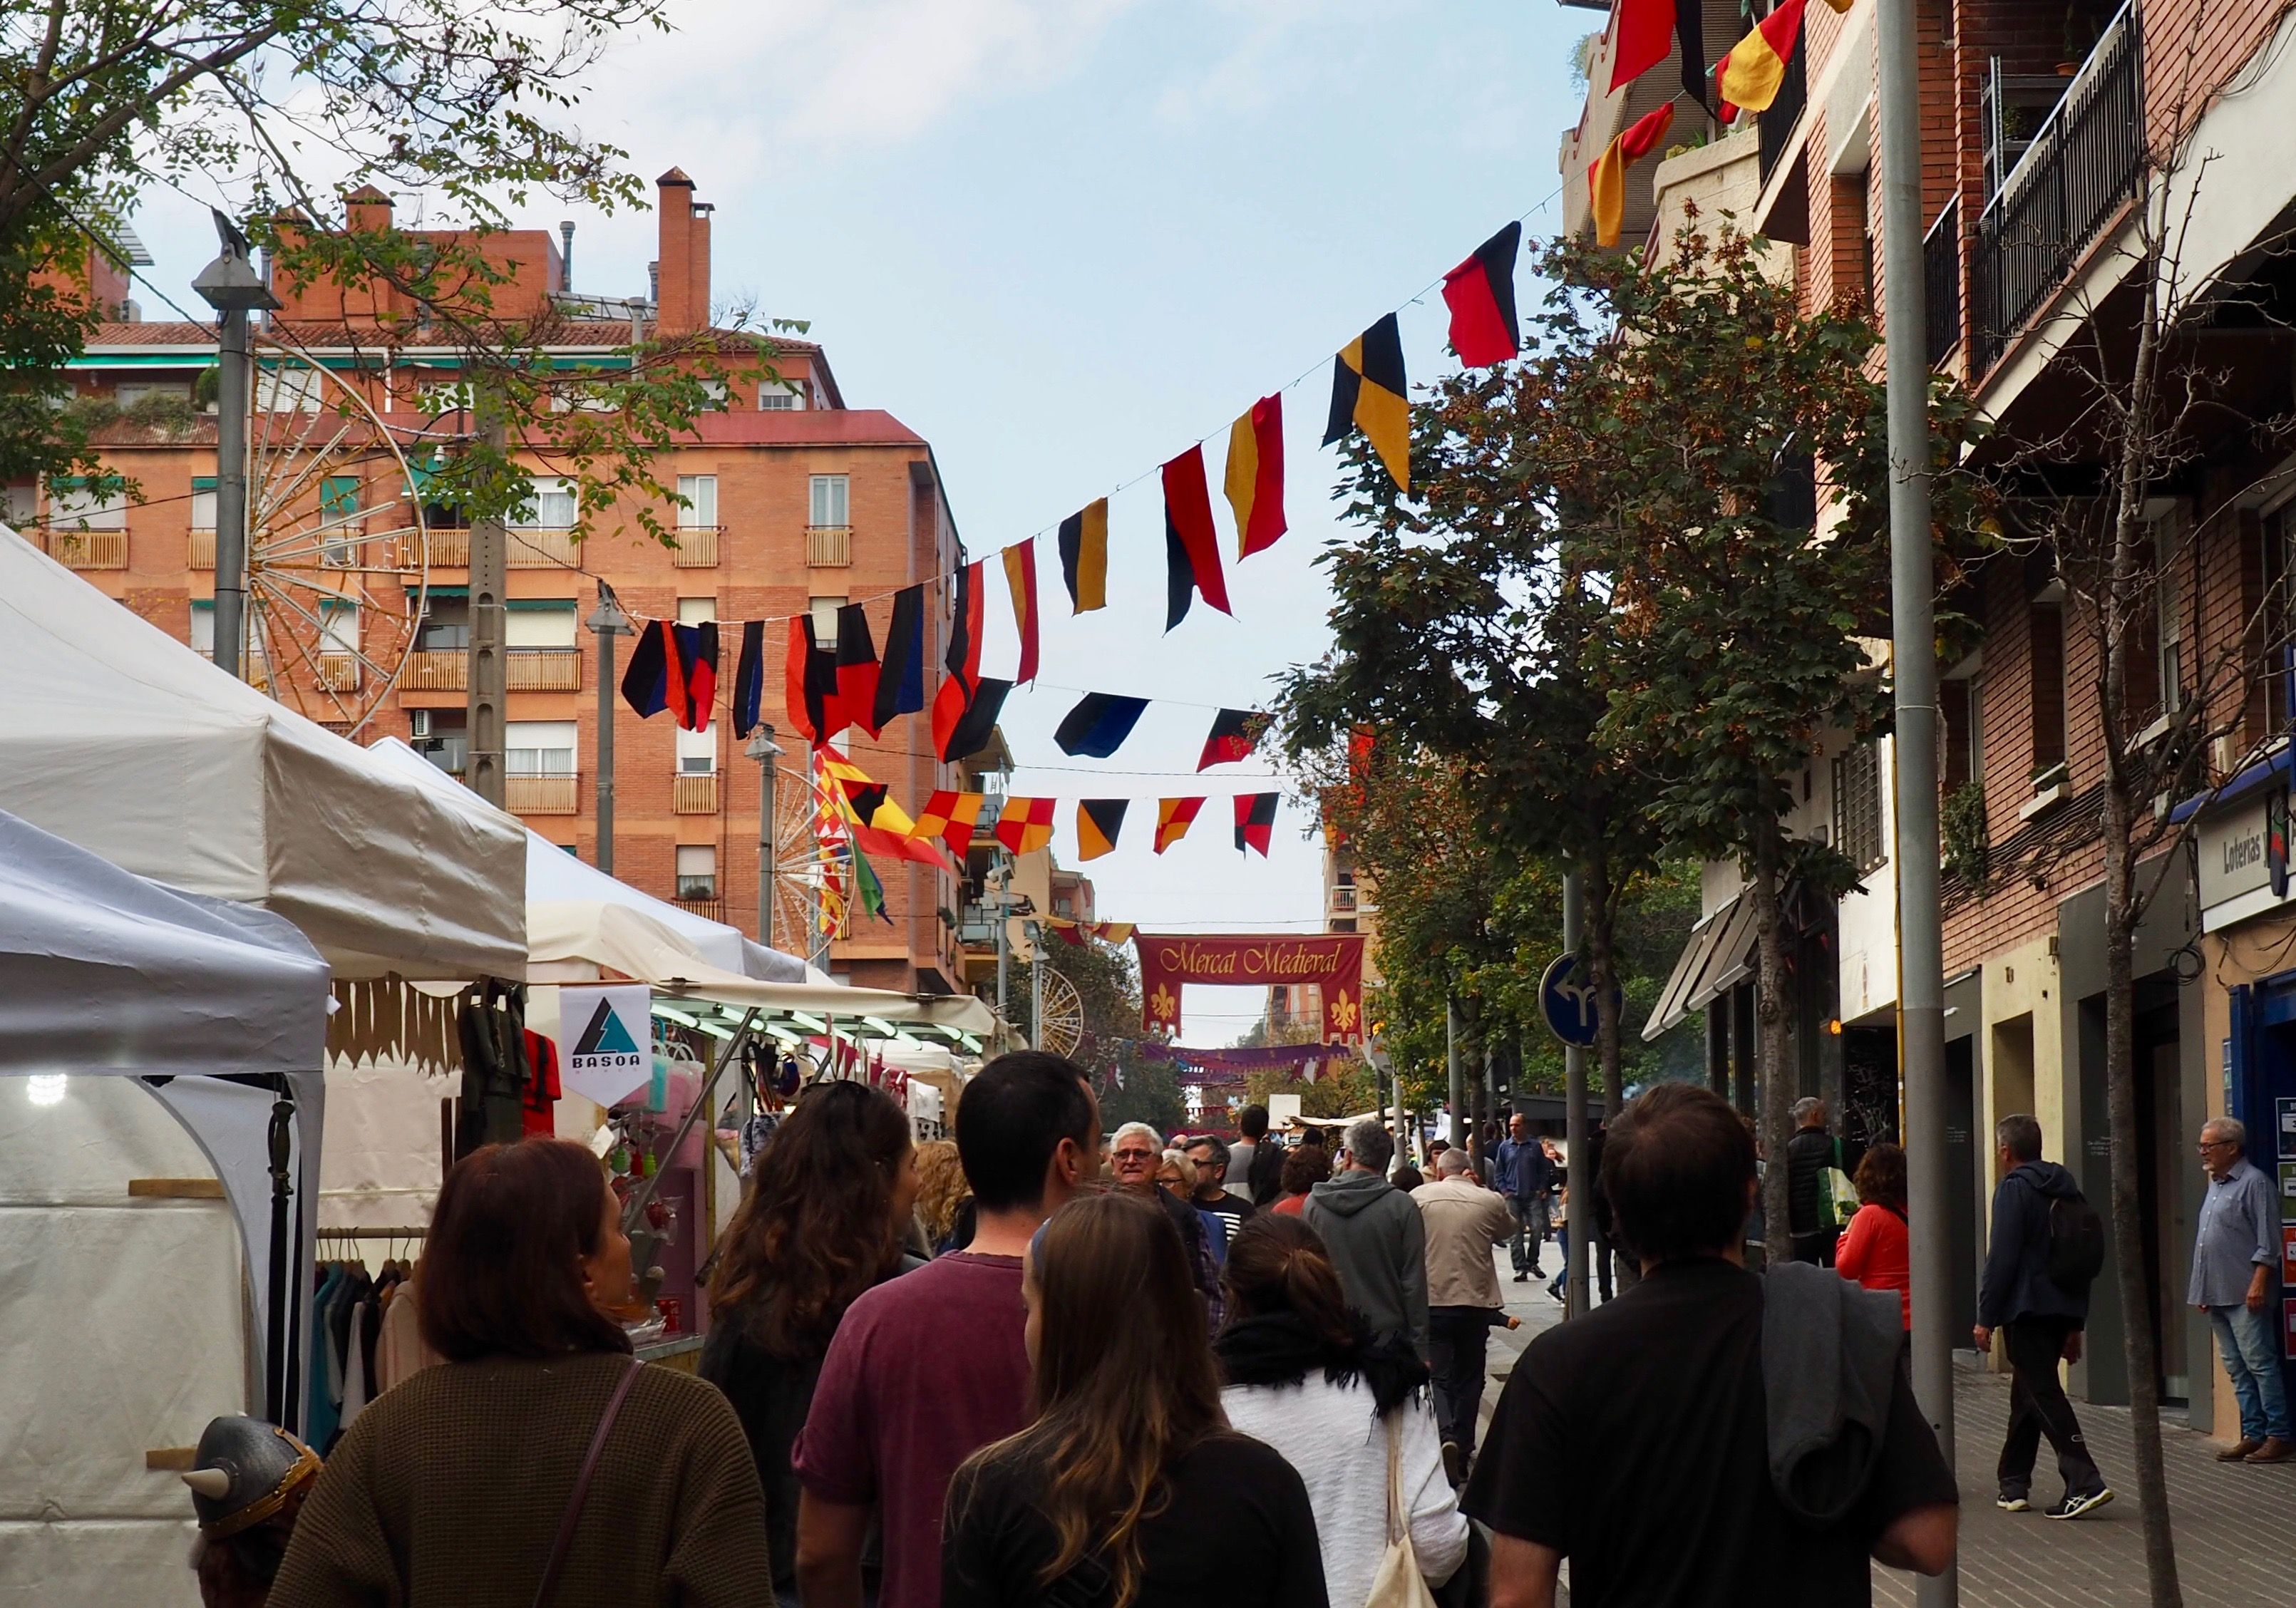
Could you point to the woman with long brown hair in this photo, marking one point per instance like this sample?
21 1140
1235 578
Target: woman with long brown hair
823 1221
1876 1248
1306 1375
540 1461
1129 1490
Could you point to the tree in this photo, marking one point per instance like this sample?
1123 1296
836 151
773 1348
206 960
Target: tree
1133 1087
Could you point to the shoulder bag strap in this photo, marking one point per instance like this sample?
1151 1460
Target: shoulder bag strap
582 1484
1397 1528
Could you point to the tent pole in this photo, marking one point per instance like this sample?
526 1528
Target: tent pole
274 1358
644 1196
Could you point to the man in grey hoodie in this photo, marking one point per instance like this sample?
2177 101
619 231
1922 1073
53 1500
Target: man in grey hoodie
2040 1321
1375 1235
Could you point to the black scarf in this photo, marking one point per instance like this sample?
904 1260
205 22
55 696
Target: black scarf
1280 1348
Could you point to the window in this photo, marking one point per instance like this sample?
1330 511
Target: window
2171 628
2044 650
1857 806
129 393
204 627
537 623
287 389
443 737
446 626
782 396
443 396
831 495
700 493
715 390
339 628
1959 704
339 501
553 507
204 502
78 507
696 610
539 747
697 871
697 751
824 611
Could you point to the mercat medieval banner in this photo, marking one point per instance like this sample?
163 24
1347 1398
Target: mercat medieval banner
1332 961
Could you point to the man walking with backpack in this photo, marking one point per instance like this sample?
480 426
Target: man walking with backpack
2047 1247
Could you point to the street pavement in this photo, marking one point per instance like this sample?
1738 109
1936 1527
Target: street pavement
2235 1526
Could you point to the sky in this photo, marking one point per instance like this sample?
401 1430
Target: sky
1063 240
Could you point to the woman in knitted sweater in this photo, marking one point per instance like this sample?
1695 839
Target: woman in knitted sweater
1304 1373
449 1491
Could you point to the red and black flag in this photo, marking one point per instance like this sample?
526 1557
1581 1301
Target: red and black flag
1254 482
966 728
1369 393
810 685
963 660
645 684
750 679
691 673
1084 557
857 668
1480 294
1255 821
1191 544
901 679
1097 727
1098 821
1235 733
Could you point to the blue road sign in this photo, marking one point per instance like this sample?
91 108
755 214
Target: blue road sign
1567 1001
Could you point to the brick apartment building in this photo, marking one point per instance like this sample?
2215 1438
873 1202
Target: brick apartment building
2044 129
799 502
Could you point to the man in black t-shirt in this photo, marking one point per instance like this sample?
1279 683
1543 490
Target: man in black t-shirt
1634 1441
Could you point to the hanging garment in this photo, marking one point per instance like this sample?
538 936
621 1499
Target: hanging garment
319 1414
355 1381
538 1108
645 686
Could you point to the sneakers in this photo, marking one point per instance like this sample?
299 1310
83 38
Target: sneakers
2013 1502
1522 1278
2074 1507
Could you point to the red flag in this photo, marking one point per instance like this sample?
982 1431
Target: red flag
1645 33
1020 577
1191 544
1480 294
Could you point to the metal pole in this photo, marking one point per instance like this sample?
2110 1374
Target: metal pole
275 1375
489 578
634 1213
762 748
233 383
1921 958
607 622
1001 904
1458 1090
1037 985
1580 1229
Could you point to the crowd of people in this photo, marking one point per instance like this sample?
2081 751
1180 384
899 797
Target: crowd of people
1026 1369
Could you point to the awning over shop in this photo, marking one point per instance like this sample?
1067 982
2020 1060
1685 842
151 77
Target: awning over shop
1718 955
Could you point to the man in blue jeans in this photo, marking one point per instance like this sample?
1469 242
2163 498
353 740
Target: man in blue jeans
1524 1174
2235 1261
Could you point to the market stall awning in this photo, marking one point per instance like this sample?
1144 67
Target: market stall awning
1718 955
120 739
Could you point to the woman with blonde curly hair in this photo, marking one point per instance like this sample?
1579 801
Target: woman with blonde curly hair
944 1198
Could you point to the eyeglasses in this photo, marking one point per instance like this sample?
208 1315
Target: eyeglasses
1136 1155
2217 1145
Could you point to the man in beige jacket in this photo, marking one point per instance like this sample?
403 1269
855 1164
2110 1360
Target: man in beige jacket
1463 1221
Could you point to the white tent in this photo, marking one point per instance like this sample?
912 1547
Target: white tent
126 741
134 1318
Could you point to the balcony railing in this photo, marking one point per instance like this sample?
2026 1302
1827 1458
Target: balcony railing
697 547
436 670
709 909
536 550
542 795
828 546
541 669
2084 162
1342 900
1776 126
448 549
203 549
339 672
87 549
1941 260
693 793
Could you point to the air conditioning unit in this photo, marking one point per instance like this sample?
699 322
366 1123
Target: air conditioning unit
422 723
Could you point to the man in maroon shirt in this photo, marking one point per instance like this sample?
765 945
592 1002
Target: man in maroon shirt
928 1368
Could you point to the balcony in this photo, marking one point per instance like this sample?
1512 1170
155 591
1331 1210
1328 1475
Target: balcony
828 546
339 672
202 550
87 549
557 795
2084 162
1941 263
448 549
541 669
436 670
709 909
697 547
1340 901
693 793
536 549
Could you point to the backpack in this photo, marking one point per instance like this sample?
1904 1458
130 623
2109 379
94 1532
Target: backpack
2076 1243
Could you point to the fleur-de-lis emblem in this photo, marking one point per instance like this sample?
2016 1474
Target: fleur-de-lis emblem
1343 1012
1162 1004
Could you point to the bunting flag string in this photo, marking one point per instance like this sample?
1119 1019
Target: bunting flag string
1081 933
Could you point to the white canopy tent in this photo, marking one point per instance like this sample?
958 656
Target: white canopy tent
127 1324
124 741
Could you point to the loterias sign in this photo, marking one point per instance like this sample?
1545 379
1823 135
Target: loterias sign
1332 961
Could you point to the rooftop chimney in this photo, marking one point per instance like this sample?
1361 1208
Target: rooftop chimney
566 256
682 275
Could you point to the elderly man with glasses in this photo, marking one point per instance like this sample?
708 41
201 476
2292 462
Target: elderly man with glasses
2236 1261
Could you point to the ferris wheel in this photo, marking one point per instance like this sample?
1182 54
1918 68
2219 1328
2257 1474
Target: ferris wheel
338 547
1059 1012
798 863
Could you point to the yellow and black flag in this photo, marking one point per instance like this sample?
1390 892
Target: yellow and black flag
1084 557
1097 821
1368 393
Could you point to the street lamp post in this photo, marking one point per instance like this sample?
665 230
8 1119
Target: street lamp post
608 621
762 748
230 285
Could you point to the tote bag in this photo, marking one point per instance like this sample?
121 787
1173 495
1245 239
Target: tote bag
1398 1584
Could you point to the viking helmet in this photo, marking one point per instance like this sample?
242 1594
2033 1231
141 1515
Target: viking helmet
243 1472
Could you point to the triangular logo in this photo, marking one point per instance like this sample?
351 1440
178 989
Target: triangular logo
605 1035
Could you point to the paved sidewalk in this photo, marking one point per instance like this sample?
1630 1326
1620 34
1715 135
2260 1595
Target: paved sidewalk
2235 1525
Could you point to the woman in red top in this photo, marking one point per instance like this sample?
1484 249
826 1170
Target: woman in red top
1304 1168
1872 1250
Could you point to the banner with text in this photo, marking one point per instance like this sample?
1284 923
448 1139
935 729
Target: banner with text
606 1034
1332 961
